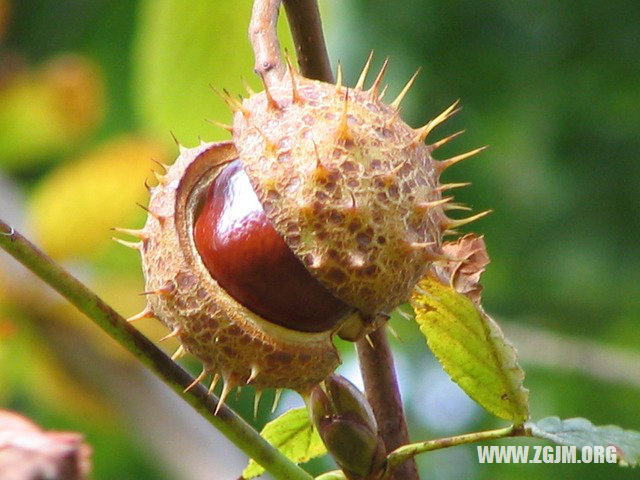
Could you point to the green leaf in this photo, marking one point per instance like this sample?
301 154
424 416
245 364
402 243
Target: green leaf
292 434
472 349
180 49
332 475
581 432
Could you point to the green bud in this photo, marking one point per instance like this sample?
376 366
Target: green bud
347 398
347 426
352 446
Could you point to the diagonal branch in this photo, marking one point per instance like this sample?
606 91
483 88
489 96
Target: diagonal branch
227 421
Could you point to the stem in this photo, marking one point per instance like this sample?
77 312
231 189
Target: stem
263 34
306 29
405 452
227 421
376 364
381 388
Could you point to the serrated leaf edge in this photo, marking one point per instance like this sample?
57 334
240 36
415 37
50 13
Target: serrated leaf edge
511 374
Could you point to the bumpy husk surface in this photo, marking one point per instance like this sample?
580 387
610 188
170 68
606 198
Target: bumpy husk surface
345 181
353 191
228 338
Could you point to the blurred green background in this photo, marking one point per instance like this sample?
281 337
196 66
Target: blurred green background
91 89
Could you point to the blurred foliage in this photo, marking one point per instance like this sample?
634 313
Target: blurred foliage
122 166
178 56
47 110
90 90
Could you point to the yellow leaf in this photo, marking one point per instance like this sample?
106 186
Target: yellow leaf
74 207
471 348
45 112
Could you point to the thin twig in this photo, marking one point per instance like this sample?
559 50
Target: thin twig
263 34
227 421
381 388
306 29
406 452
401 454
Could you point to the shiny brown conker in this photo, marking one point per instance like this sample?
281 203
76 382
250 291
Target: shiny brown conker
251 261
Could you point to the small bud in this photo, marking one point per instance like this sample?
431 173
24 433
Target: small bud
347 427
352 446
348 399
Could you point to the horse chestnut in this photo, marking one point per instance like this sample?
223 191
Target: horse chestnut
251 261
318 218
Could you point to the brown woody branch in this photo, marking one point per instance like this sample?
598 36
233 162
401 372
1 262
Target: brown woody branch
263 34
306 28
376 364
381 388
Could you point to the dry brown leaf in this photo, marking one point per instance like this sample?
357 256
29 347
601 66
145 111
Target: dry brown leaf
28 452
469 259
